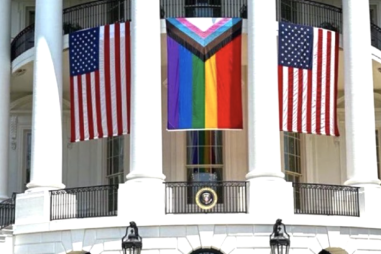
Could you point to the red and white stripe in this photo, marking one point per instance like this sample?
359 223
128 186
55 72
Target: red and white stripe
100 100
307 98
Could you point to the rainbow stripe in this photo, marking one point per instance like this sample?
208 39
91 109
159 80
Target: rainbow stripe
204 73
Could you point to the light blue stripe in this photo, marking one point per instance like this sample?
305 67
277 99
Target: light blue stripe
196 37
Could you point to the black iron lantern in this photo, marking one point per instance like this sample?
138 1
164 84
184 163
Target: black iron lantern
279 239
132 242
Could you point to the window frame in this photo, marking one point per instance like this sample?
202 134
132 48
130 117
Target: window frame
109 173
302 176
219 190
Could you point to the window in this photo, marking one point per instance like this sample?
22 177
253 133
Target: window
292 156
115 11
378 153
288 11
373 14
204 159
203 8
115 169
27 157
30 15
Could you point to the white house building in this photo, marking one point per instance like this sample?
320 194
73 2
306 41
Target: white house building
61 197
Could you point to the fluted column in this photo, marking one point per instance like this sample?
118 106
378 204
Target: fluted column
5 77
359 103
263 116
46 166
146 134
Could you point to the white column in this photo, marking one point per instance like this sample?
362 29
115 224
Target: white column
263 116
146 133
359 104
5 84
144 184
46 167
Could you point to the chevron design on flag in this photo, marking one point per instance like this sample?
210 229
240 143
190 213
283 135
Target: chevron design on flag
203 36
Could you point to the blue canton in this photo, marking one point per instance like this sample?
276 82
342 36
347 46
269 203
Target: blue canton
84 51
295 46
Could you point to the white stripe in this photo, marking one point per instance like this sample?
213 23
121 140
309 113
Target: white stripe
332 103
76 109
113 82
84 106
314 81
304 102
102 81
94 105
323 81
285 98
123 76
295 100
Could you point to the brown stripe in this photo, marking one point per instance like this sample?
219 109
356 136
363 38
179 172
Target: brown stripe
204 53
183 38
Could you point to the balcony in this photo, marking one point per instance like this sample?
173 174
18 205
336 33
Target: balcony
206 197
323 199
7 212
103 12
78 17
84 202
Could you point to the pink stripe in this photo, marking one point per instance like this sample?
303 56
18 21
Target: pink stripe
202 34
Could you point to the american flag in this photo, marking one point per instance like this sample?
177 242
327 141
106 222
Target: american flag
100 82
307 79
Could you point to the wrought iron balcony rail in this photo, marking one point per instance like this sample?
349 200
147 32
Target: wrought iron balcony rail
323 199
102 12
205 197
87 15
84 202
203 8
7 212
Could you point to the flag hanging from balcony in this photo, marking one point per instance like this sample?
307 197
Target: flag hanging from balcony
204 73
100 82
307 77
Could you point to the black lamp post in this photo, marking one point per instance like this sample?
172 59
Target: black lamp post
132 242
279 239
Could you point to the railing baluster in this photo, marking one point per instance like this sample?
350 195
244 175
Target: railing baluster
232 197
326 199
84 202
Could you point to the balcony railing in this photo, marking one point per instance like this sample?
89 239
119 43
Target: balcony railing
322 199
205 197
78 17
103 12
84 202
203 8
7 212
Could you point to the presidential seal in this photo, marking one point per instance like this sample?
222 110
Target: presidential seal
206 198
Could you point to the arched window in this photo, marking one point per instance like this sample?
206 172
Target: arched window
206 251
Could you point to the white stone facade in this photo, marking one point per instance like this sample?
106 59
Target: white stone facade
232 239
35 101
